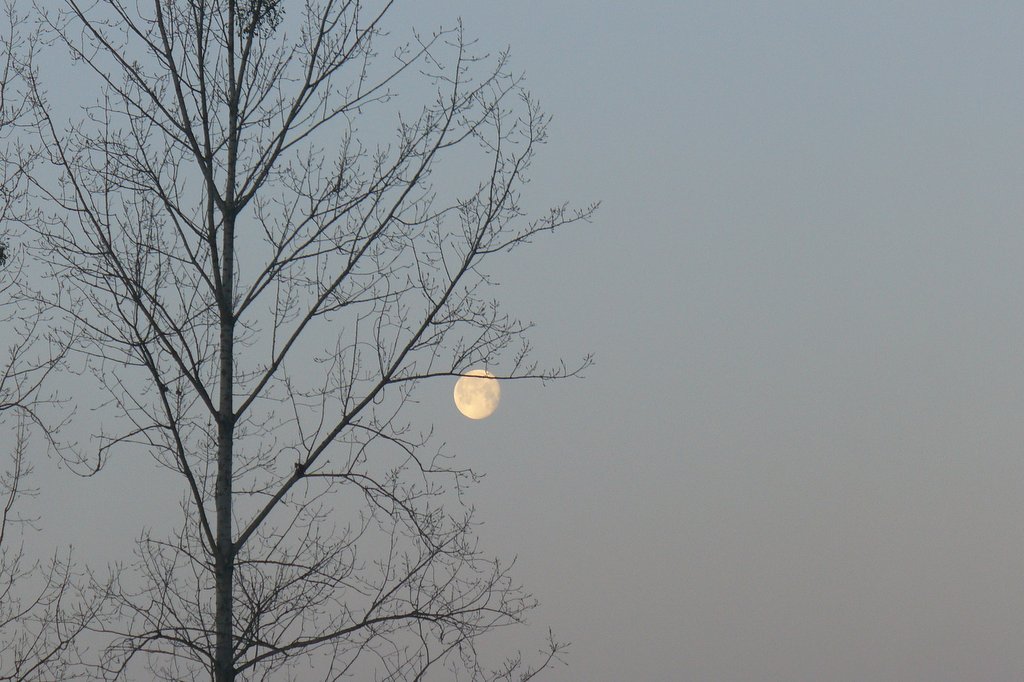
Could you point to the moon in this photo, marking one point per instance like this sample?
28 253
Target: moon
477 394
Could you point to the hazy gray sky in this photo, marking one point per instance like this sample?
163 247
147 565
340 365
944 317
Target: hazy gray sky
800 455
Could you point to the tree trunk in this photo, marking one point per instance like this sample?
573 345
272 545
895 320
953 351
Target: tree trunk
224 665
224 670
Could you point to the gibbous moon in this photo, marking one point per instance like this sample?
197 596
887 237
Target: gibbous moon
477 394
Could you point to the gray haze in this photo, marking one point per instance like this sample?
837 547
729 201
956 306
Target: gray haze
800 455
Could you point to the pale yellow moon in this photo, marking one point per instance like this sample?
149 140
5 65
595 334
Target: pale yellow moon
477 394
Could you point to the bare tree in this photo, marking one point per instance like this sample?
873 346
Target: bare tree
39 617
270 229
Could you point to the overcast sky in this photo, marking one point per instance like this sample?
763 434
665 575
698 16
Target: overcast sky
800 455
